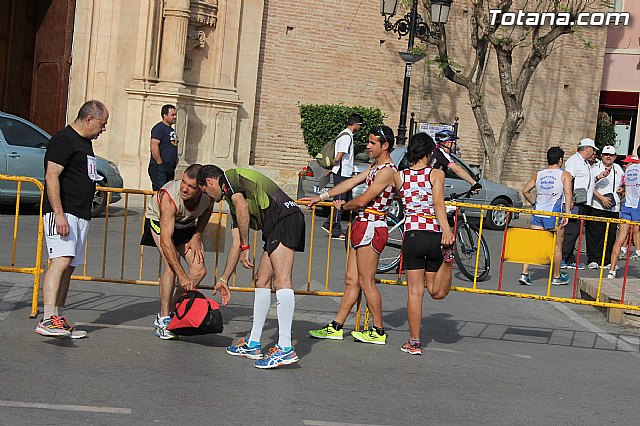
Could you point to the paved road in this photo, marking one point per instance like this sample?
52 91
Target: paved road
490 360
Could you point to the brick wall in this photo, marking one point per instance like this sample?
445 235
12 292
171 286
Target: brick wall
336 51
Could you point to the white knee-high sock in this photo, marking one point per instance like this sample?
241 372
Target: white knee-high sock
261 305
286 305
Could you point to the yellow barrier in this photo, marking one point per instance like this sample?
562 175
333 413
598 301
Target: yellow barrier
216 231
36 269
214 239
531 254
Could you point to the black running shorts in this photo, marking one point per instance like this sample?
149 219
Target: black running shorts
421 250
180 236
289 231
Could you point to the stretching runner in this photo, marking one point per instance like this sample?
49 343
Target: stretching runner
368 237
427 249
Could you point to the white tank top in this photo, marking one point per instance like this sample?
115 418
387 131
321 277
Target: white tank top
632 184
185 218
550 195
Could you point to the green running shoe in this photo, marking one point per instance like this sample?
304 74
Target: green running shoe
327 332
369 336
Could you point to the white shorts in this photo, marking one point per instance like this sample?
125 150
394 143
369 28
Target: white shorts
73 245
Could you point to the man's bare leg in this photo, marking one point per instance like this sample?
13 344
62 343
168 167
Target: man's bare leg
367 260
53 283
557 254
351 288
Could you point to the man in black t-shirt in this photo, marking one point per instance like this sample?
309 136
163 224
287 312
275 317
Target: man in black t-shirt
70 182
164 149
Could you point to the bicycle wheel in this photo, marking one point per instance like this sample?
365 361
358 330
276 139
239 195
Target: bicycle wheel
390 256
466 248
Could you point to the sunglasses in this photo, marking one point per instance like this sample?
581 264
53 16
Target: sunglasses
377 131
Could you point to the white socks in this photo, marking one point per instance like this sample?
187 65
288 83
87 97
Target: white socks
261 305
286 306
49 311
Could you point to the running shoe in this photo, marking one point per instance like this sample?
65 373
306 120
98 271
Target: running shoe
563 265
525 279
623 253
327 332
277 357
52 327
241 348
447 253
612 273
161 324
593 265
573 266
634 256
326 229
339 237
369 336
412 349
75 334
563 279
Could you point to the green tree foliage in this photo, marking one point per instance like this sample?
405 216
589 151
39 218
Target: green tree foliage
605 131
321 123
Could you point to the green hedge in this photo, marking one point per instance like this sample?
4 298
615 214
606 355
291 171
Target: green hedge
321 123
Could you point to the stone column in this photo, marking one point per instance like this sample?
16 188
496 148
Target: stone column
174 41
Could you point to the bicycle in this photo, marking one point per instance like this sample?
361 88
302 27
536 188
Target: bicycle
466 245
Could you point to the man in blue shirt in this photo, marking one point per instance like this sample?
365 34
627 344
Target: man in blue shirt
164 149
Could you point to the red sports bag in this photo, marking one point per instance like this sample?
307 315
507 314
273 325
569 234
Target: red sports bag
196 314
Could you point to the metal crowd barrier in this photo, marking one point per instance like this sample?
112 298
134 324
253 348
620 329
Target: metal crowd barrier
529 253
36 269
141 266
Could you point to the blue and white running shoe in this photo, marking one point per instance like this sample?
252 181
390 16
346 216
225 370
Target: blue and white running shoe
241 348
278 357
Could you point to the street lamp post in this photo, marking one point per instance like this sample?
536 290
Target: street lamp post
413 25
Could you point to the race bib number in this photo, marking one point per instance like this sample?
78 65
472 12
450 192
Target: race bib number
92 169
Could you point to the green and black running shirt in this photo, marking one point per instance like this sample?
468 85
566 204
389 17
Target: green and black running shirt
268 204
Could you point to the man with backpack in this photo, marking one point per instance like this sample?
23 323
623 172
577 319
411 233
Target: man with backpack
342 169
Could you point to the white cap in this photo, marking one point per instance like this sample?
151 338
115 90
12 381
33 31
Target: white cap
609 150
588 142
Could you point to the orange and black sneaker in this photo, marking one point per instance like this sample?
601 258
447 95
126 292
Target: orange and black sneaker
54 327
414 348
75 334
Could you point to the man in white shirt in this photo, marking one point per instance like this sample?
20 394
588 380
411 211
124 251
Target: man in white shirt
584 180
342 170
605 203
630 210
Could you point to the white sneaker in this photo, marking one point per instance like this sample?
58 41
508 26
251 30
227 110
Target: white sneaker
593 265
612 273
161 324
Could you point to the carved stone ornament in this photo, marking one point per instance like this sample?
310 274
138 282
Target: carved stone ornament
195 39
204 12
